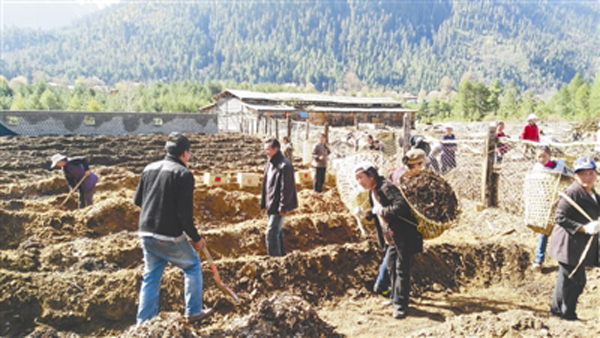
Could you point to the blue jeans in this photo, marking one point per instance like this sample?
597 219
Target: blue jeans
275 236
156 255
540 252
383 279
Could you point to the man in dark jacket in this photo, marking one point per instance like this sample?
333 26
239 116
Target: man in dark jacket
396 226
75 170
570 236
319 154
278 195
166 194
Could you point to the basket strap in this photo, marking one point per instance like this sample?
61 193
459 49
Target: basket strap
576 206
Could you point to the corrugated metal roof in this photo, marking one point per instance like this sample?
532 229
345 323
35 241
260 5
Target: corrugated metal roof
306 97
358 110
263 107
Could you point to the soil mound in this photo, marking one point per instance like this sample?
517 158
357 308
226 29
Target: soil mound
282 315
166 324
112 215
222 206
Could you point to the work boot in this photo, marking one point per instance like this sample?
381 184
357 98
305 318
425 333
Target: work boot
399 314
205 314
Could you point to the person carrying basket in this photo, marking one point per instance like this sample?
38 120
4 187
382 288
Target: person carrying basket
545 164
397 227
574 238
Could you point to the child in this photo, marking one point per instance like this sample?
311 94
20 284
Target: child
545 163
501 148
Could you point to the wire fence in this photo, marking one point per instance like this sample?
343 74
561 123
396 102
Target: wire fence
460 162
518 160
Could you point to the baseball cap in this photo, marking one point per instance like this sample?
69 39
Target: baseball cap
584 163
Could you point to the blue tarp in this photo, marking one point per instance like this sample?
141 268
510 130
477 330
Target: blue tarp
5 131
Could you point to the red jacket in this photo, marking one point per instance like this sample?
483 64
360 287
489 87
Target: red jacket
531 133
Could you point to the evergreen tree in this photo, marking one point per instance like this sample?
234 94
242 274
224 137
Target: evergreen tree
594 102
48 101
18 103
93 105
582 101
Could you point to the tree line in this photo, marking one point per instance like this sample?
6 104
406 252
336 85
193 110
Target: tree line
473 100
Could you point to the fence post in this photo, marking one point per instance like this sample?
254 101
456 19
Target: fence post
488 184
406 132
307 130
289 126
266 129
356 126
257 124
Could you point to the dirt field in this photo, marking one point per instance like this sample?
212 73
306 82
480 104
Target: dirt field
77 272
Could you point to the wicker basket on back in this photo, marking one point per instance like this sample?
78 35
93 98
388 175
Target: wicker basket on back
540 195
432 201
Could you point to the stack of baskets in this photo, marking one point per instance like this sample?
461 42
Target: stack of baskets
540 194
428 227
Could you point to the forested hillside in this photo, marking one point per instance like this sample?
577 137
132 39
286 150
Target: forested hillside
409 45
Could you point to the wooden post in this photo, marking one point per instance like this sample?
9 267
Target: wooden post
289 126
257 124
327 131
276 128
407 123
488 186
356 138
307 130
266 125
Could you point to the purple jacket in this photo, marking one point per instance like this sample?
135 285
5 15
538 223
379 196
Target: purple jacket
74 171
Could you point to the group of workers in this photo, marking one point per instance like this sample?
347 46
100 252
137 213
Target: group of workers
165 195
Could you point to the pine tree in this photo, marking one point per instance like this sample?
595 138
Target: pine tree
594 102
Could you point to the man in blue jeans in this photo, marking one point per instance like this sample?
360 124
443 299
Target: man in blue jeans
166 194
278 195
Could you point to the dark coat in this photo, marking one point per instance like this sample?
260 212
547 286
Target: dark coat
279 186
566 243
166 194
400 218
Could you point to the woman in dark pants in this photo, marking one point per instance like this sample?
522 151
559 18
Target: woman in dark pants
396 227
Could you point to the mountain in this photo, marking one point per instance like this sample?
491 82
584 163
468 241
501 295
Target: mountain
407 45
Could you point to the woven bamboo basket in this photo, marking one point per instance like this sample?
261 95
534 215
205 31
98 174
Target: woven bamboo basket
427 227
352 194
540 195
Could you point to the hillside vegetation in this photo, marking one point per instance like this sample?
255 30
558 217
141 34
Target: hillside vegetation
411 45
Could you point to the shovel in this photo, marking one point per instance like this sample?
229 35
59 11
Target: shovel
62 205
226 290
589 243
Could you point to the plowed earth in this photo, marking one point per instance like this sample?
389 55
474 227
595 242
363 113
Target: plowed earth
70 273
